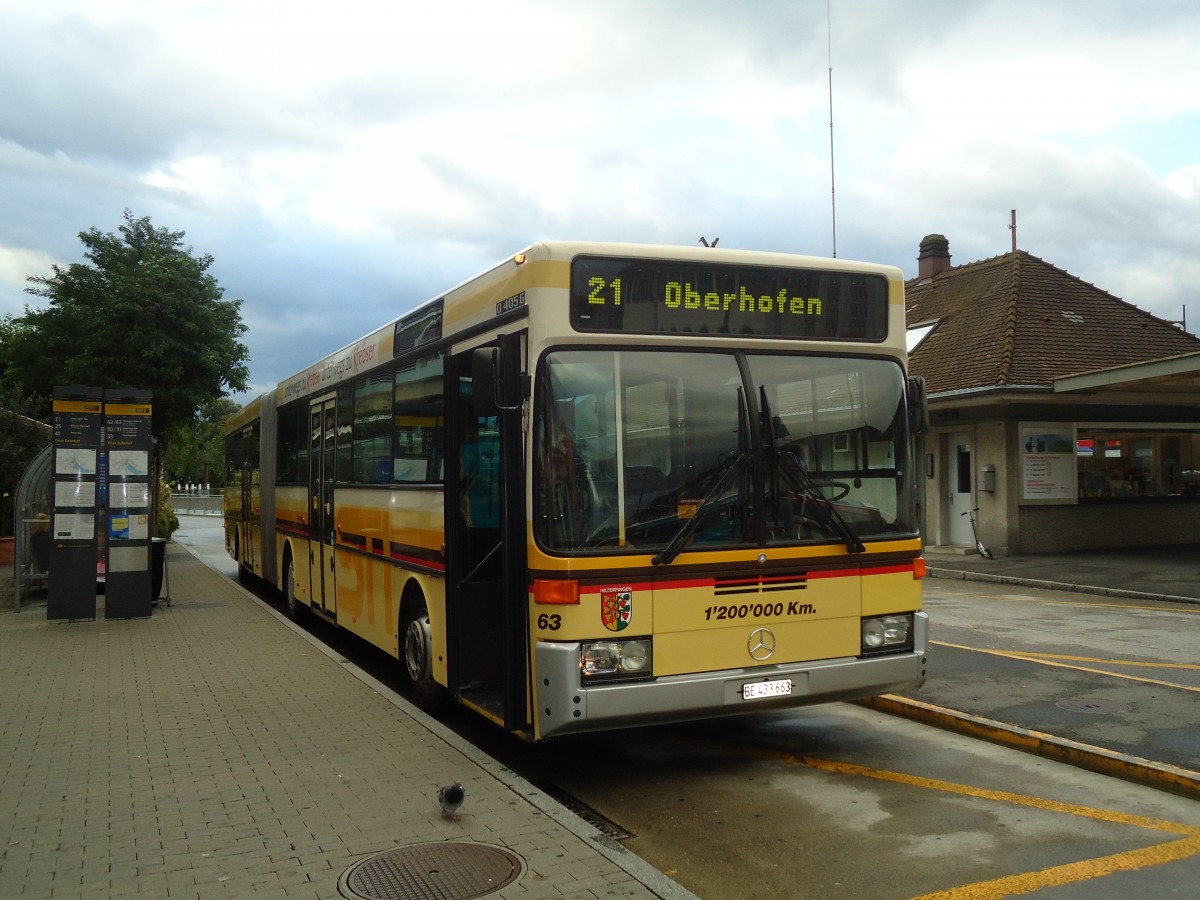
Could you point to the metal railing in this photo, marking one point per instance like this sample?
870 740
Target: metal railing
206 504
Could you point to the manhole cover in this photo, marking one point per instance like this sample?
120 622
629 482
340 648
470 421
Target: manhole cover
1092 705
449 870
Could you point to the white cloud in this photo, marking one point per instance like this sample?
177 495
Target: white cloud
17 264
363 156
1185 182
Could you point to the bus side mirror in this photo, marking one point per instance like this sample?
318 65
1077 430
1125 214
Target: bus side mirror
918 405
496 378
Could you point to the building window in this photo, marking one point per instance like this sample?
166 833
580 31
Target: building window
1137 462
917 334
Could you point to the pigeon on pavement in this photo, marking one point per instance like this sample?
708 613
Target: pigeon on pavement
451 799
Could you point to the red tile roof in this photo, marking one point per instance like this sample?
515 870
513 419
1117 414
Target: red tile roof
1017 321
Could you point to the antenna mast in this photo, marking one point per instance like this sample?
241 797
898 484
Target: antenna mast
1012 226
832 180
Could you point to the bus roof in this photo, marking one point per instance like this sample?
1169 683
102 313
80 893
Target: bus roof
371 348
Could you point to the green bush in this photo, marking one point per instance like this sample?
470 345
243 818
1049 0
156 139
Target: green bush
168 521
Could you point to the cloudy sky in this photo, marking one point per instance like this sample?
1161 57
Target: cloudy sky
344 161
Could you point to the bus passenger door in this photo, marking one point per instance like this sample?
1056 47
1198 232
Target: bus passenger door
249 516
486 590
321 460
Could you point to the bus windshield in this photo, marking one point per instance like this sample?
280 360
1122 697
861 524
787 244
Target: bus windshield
662 452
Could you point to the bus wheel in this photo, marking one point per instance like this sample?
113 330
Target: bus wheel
293 606
417 656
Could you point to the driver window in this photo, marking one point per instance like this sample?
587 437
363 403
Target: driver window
577 488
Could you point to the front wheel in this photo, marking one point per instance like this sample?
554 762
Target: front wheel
417 656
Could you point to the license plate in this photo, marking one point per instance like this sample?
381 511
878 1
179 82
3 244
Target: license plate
757 689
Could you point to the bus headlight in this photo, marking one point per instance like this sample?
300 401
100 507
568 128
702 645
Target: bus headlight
886 633
612 660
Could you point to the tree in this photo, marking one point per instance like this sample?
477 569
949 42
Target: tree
21 439
144 312
196 452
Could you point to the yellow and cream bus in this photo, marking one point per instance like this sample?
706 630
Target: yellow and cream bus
605 485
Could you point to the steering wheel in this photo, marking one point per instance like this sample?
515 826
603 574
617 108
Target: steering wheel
840 487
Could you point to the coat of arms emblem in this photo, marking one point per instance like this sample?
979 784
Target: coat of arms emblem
616 607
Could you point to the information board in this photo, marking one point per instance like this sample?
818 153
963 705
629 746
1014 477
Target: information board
126 493
78 423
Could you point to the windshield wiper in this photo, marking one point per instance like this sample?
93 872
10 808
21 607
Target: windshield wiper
800 481
732 465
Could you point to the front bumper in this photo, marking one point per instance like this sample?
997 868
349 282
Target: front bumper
565 706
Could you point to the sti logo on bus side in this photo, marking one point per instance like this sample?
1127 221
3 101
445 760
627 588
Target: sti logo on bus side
616 607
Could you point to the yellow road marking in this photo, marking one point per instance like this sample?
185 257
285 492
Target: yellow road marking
1048 660
1096 759
1085 870
1023 882
966 790
1194 667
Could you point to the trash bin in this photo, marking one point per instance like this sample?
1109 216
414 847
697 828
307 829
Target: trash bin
158 561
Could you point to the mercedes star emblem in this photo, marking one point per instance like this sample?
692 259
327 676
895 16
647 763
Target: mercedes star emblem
761 644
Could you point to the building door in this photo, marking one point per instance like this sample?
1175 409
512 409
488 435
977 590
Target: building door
961 495
321 474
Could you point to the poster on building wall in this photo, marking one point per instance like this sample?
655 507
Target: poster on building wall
1048 463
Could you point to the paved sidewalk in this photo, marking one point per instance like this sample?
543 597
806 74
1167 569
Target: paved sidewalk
1169 573
213 750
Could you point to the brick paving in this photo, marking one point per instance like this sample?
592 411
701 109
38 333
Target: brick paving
213 750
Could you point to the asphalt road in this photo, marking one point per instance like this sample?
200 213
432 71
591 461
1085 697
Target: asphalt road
841 800
1118 674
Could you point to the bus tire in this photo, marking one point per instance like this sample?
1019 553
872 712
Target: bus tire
416 655
292 605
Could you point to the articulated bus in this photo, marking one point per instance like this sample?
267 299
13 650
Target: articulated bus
606 485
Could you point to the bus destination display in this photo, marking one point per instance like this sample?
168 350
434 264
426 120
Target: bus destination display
646 296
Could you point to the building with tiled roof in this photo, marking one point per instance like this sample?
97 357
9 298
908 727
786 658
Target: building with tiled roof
1069 417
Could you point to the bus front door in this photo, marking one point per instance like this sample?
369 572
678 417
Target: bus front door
321 461
486 593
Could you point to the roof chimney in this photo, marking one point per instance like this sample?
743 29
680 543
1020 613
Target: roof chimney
934 257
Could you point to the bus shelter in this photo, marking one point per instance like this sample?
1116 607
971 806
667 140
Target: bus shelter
31 528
